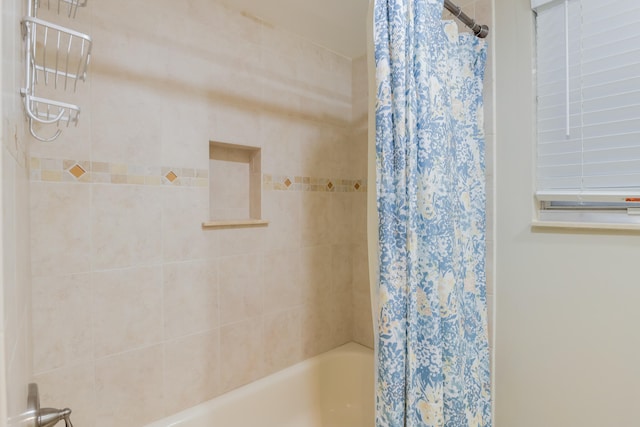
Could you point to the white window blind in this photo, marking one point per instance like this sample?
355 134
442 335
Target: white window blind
588 113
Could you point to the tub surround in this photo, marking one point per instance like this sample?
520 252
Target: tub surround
160 313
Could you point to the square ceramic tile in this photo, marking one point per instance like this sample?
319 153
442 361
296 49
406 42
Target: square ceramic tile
62 321
190 298
183 212
282 288
315 273
315 219
282 340
127 309
241 288
192 370
129 388
60 228
126 225
316 328
282 209
241 354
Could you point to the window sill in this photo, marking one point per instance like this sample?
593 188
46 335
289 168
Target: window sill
236 223
569 225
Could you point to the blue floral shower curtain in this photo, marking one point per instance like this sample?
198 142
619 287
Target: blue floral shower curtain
432 350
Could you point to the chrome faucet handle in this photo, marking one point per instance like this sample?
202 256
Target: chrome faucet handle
49 417
44 417
67 419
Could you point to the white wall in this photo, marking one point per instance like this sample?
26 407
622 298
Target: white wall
568 343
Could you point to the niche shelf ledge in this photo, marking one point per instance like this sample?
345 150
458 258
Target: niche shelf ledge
235 223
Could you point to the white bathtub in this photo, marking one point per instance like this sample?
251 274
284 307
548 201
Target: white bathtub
334 389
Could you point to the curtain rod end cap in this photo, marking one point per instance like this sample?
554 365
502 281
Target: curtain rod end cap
482 32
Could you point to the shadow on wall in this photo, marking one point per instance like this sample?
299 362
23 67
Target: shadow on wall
271 85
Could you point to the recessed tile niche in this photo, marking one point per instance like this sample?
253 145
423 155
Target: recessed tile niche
235 186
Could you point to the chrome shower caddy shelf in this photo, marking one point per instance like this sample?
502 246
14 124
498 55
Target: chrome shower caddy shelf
71 6
57 57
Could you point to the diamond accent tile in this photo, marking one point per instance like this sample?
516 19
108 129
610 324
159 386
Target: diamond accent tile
55 170
77 171
171 176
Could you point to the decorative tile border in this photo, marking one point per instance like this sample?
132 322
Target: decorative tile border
305 183
55 170
82 171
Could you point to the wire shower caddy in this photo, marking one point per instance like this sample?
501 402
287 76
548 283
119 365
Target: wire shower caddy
56 57
71 6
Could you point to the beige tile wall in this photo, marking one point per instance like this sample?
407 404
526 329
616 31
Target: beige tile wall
141 312
15 280
362 322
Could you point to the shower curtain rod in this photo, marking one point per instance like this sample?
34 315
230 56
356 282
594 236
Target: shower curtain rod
480 31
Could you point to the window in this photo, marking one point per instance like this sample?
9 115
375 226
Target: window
588 112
